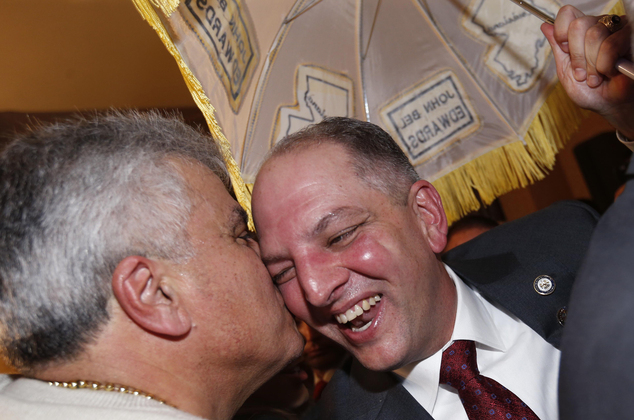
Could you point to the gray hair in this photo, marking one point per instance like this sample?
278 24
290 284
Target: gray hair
76 198
376 158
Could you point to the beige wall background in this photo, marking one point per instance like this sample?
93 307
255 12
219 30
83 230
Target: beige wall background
61 55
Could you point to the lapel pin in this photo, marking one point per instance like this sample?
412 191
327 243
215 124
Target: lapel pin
544 285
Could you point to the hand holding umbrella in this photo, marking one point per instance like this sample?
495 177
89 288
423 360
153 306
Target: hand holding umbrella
586 53
612 22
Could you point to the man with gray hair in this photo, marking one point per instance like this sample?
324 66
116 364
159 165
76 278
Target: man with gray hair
128 267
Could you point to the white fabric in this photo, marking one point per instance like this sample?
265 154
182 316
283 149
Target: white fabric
507 350
30 399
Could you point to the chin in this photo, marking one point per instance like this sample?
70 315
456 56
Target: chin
373 361
388 354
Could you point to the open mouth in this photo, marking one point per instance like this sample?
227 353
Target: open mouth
359 317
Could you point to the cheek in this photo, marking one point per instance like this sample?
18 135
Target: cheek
247 285
253 268
372 257
294 299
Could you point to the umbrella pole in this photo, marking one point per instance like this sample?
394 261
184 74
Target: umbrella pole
534 11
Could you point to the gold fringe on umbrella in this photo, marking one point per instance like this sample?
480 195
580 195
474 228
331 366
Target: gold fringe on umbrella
166 6
146 9
515 165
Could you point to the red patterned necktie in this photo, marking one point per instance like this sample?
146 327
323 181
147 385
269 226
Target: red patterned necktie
482 397
319 387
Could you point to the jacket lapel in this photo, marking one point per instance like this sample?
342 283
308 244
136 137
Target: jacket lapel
503 263
356 393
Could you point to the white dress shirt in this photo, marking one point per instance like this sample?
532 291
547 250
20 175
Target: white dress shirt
507 350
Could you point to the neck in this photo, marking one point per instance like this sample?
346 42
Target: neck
447 301
154 366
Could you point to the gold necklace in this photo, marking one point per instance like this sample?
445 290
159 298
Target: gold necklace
110 387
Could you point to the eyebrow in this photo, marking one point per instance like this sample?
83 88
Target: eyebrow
272 260
334 215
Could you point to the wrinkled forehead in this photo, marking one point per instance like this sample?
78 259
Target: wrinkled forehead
300 188
314 164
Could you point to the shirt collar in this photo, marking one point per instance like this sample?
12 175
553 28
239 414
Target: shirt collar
473 322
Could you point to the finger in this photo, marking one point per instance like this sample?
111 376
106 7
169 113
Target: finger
562 58
565 17
549 32
577 45
595 35
614 47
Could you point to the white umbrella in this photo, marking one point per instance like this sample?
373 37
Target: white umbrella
466 87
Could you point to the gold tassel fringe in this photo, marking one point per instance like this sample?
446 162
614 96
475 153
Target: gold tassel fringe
166 6
202 101
514 165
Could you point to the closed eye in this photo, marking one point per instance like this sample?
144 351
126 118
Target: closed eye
248 236
343 236
239 223
283 276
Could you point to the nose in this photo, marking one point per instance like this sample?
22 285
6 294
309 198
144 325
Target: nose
320 279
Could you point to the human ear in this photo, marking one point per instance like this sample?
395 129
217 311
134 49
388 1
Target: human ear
149 298
427 206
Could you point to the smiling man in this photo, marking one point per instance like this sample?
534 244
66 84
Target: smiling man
127 266
351 237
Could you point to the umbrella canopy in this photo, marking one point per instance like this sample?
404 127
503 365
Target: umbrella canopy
466 87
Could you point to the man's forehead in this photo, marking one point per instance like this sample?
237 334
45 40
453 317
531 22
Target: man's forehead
318 152
316 167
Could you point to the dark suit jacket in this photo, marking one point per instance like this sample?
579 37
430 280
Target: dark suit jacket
597 363
502 265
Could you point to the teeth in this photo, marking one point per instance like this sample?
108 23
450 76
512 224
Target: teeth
350 314
358 310
341 318
365 327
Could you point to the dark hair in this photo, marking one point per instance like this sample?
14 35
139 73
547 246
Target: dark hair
76 198
376 158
